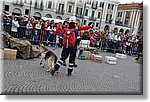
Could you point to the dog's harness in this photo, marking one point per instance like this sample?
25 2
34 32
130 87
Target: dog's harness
44 52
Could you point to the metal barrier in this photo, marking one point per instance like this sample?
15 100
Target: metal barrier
119 46
32 36
103 44
107 45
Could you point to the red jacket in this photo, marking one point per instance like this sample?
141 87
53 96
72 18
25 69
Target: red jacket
91 33
78 27
82 27
58 30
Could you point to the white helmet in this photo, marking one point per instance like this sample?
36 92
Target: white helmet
72 19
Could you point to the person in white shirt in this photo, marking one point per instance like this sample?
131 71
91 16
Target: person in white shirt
15 26
50 37
111 39
29 29
117 38
111 35
37 32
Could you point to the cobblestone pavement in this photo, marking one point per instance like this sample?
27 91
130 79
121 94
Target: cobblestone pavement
27 77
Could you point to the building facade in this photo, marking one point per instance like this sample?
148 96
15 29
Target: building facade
140 29
130 18
1 9
101 12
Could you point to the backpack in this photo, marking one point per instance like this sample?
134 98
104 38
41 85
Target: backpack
69 38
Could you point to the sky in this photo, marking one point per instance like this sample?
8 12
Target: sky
129 1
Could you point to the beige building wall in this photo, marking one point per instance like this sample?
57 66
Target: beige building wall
130 21
53 12
134 18
1 9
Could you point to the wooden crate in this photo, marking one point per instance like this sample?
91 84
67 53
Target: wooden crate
97 58
92 56
140 60
87 54
1 54
10 54
84 44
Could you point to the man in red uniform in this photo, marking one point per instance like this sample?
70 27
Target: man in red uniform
69 39
58 33
79 28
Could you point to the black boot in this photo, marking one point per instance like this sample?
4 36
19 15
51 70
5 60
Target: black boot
75 65
53 72
69 72
64 64
56 67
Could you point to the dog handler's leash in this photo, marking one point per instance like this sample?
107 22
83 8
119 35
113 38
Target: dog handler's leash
58 48
54 49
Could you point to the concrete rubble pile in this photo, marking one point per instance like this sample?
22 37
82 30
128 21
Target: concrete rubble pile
22 46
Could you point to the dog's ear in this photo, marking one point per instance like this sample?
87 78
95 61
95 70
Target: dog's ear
42 44
37 47
39 44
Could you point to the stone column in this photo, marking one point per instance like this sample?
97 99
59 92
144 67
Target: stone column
136 22
65 6
45 4
132 18
55 5
75 6
138 18
104 11
124 17
1 9
130 21
114 13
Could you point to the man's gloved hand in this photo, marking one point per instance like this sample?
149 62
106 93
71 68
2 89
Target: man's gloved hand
60 41
91 24
78 42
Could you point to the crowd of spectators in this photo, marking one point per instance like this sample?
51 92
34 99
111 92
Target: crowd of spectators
48 32
35 30
114 41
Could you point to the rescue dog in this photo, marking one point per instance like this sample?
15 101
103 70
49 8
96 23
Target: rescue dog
48 56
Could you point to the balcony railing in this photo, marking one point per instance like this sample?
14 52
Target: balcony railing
108 21
79 15
126 25
38 7
71 1
92 18
41 7
121 24
60 12
18 3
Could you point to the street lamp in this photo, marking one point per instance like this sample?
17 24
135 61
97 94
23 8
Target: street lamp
30 8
